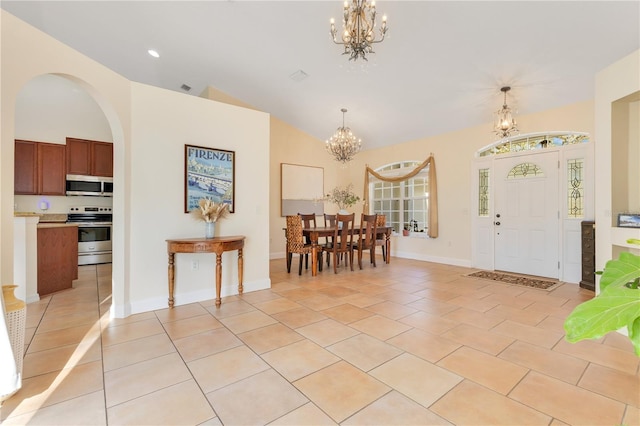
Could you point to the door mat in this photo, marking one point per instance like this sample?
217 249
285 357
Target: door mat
516 280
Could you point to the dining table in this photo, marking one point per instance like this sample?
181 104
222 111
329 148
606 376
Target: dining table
328 231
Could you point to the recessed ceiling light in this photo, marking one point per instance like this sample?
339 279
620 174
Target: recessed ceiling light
153 53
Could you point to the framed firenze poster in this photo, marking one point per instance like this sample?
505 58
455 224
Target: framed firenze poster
208 173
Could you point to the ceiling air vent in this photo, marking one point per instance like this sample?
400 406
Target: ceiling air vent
185 87
298 75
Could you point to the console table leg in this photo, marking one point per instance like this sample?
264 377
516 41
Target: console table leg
171 278
218 278
240 271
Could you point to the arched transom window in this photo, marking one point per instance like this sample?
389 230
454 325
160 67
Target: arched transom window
533 141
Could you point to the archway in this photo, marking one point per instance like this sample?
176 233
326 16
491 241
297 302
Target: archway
51 107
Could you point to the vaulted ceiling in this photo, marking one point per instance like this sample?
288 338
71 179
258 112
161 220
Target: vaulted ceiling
440 68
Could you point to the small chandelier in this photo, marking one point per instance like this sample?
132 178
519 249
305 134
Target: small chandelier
343 145
505 124
358 23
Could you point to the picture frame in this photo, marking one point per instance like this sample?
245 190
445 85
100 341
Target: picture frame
629 220
208 173
301 189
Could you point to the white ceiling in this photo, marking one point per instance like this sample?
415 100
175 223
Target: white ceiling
439 69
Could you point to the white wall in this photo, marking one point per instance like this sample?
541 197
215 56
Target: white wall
163 122
615 82
146 147
50 108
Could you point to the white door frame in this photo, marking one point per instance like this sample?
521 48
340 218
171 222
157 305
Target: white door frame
482 235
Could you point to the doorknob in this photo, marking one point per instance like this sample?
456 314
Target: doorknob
498 215
497 223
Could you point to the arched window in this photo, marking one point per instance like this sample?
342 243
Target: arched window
533 141
405 203
525 170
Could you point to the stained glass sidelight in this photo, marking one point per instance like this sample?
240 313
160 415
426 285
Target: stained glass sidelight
575 188
483 192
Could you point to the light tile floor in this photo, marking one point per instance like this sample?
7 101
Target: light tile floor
410 343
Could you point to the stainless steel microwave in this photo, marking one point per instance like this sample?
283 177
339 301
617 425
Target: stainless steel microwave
98 186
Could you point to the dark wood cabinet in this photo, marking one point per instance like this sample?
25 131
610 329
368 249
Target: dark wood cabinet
39 168
57 258
51 169
25 168
102 159
78 157
588 255
90 158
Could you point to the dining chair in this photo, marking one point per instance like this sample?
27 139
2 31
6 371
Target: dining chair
295 242
342 246
367 240
329 221
381 238
308 221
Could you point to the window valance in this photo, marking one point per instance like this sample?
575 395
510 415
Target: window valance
432 230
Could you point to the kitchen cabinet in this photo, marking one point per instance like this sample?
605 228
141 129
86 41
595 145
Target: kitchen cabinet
39 168
57 257
89 158
25 169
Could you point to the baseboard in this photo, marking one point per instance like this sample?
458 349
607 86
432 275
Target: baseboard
406 255
436 259
156 303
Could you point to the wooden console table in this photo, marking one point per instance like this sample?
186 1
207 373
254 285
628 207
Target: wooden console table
217 245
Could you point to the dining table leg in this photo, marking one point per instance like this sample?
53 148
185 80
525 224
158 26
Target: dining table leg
314 253
388 245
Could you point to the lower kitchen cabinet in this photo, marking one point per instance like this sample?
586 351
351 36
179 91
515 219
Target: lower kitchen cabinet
57 257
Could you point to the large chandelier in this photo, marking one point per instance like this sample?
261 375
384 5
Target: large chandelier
343 145
358 23
505 124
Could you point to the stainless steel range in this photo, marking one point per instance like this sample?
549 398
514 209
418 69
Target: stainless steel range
94 233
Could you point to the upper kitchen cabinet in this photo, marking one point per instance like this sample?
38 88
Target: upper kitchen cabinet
25 178
102 159
90 158
39 168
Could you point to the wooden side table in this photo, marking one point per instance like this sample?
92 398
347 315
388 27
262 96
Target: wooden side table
217 245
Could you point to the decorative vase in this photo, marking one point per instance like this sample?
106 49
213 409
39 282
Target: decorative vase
15 313
343 211
210 229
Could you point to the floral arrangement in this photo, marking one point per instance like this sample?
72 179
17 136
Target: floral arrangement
209 210
343 197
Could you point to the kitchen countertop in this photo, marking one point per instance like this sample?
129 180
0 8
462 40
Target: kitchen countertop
55 218
25 214
55 225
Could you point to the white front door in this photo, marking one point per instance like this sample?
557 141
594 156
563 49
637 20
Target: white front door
526 215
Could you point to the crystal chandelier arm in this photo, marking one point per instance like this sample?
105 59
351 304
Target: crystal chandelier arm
358 33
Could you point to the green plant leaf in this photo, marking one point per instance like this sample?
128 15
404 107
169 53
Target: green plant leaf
634 335
620 271
613 309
